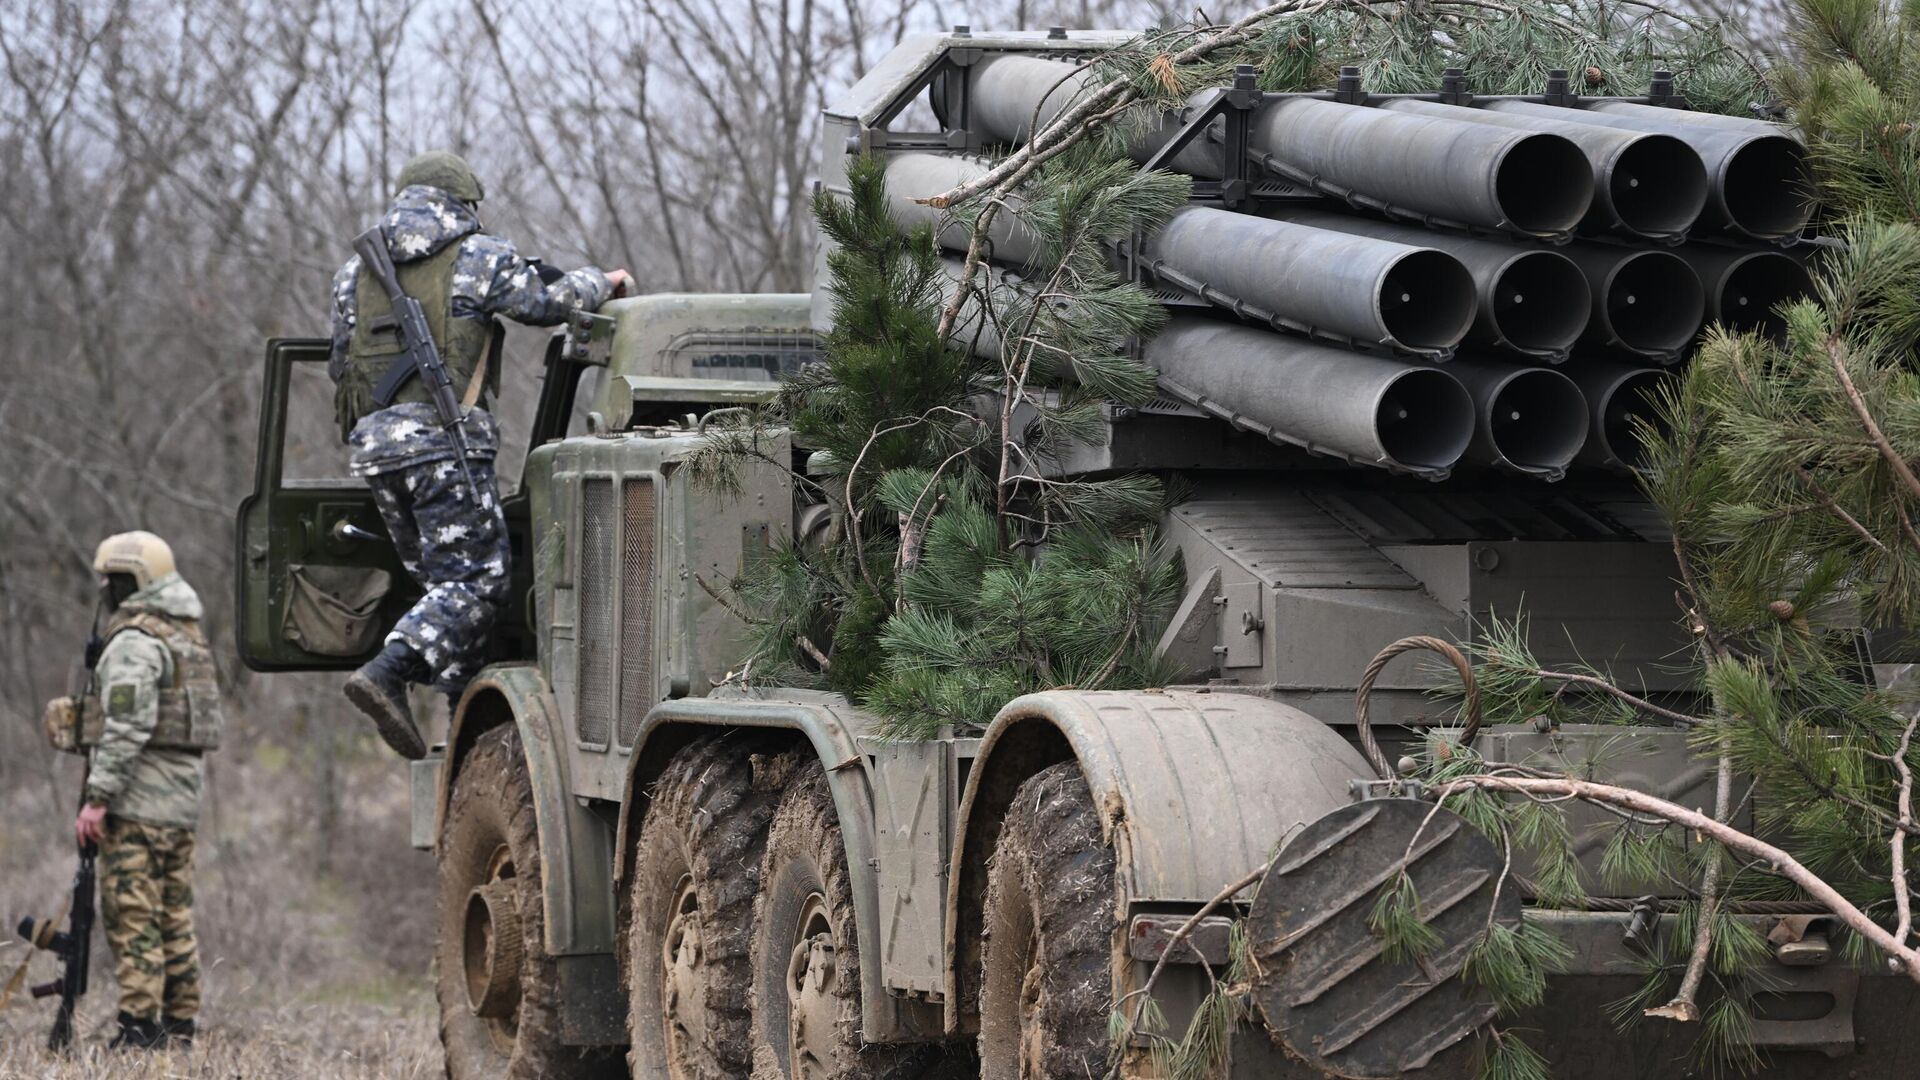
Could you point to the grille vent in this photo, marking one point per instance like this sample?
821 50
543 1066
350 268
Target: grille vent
636 609
595 702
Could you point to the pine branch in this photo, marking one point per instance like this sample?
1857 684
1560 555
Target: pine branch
803 641
1834 507
1902 897
1683 1007
1836 352
854 510
1596 683
728 605
1906 958
806 644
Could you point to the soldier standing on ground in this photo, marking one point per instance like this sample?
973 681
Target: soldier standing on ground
463 278
154 683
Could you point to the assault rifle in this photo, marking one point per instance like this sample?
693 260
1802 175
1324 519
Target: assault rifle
419 355
74 947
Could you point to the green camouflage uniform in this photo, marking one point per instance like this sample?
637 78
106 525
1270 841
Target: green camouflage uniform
152 797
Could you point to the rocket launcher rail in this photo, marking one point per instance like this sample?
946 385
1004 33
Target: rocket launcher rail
1528 419
1375 153
1410 298
1528 182
1645 302
1532 182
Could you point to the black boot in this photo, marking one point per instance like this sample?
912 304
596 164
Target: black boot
379 689
136 1033
177 1032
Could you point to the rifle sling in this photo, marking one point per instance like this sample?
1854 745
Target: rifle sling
479 381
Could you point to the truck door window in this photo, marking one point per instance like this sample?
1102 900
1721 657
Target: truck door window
311 438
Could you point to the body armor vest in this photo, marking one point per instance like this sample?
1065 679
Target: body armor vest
375 343
190 714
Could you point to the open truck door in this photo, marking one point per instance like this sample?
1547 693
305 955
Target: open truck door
317 580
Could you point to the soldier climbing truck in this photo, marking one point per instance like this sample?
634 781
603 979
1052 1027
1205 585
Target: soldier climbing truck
643 863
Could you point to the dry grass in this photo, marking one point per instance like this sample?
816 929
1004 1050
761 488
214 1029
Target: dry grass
321 1042
315 917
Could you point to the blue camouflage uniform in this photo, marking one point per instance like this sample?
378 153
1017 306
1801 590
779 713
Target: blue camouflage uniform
456 550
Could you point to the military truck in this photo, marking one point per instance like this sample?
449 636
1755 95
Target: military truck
649 860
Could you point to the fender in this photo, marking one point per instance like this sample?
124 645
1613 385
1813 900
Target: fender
831 728
579 902
1194 790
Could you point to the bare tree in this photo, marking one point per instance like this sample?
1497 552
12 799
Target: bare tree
178 179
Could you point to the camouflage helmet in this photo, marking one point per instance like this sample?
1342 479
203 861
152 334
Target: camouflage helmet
141 554
445 170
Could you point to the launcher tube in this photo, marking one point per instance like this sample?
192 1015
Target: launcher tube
1404 296
1369 409
1644 183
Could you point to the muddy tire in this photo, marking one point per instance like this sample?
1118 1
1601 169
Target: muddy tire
690 911
491 925
806 959
1046 979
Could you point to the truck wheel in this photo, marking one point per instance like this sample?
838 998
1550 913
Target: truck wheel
806 961
498 988
690 912
1047 963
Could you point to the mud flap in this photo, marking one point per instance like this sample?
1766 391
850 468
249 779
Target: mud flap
1326 990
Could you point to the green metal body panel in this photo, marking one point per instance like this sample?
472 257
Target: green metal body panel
672 354
1813 1023
1845 1023
631 550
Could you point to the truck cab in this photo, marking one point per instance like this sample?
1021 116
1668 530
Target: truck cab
318 582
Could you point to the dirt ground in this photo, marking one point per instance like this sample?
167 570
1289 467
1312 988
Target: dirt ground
314 918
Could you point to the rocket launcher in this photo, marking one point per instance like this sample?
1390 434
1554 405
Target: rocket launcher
1422 283
1620 397
1744 288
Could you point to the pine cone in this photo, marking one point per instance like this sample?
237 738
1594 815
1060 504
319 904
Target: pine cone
1782 609
1595 77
